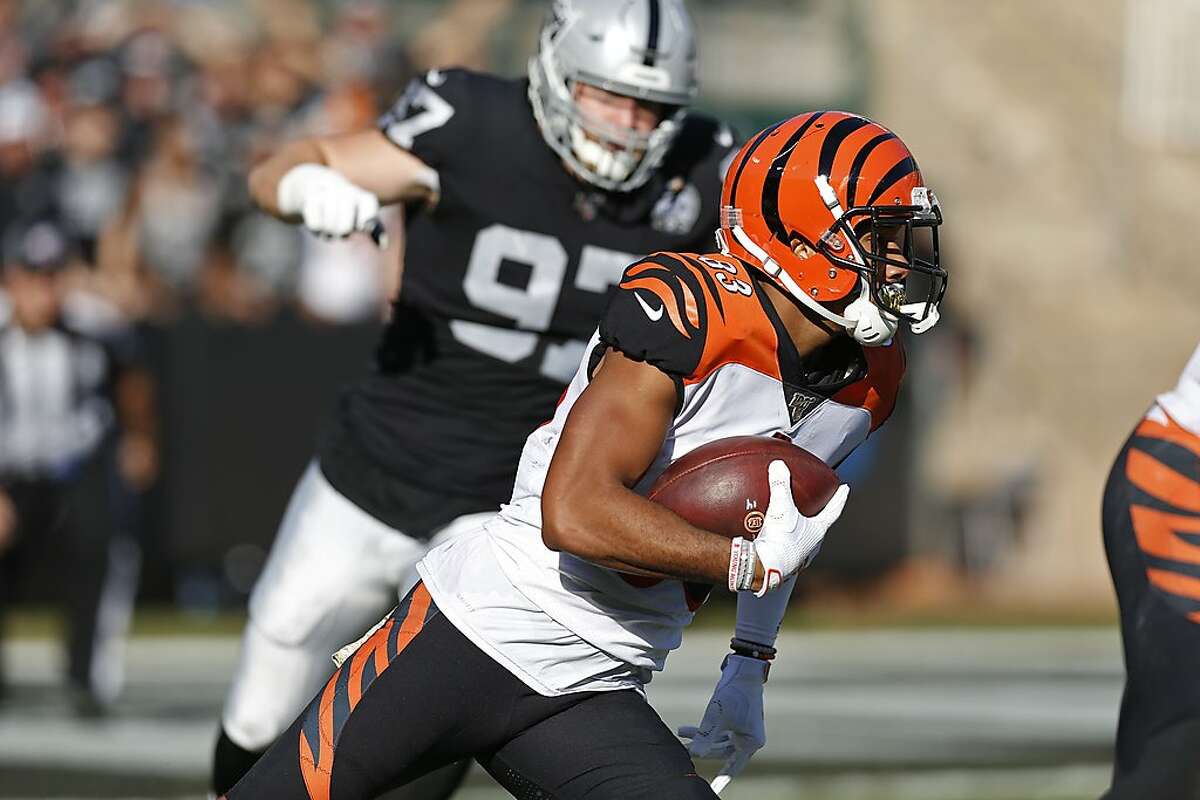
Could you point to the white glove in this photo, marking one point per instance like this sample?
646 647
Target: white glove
789 541
329 204
732 727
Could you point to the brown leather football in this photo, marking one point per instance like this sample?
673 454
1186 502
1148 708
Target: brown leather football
722 486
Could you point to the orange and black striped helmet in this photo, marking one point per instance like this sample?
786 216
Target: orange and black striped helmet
833 207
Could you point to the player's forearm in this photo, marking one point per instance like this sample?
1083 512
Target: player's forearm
617 528
264 178
759 618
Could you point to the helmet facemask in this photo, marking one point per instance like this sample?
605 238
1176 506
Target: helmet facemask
612 153
901 240
867 269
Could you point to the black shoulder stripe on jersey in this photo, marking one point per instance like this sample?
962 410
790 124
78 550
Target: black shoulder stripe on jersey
903 169
710 283
790 364
834 138
770 193
859 161
652 37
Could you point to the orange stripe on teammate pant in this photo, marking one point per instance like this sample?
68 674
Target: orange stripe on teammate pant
323 723
1173 582
1171 432
1158 534
1162 482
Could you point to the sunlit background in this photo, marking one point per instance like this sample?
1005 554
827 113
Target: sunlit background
956 639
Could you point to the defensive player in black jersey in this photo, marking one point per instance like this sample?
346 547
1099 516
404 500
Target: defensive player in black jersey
524 201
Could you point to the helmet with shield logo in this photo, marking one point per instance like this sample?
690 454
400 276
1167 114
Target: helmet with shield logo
643 49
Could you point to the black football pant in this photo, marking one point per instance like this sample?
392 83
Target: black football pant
418 695
64 537
1151 518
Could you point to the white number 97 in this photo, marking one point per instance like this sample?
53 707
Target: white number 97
531 308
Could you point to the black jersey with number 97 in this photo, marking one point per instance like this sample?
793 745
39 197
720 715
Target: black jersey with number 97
504 281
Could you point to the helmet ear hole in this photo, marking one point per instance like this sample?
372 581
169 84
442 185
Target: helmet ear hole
801 249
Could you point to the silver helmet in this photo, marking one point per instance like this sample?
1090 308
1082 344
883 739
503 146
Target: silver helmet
645 49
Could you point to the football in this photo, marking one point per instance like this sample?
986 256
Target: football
722 486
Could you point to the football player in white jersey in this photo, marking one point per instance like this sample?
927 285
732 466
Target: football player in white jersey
1151 519
525 200
529 640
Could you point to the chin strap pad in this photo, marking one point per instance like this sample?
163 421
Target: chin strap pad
872 326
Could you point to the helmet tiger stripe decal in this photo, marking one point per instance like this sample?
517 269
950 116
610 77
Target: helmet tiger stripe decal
903 169
861 159
744 159
835 137
774 179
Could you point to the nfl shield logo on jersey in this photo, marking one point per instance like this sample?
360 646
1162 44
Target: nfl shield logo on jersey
678 209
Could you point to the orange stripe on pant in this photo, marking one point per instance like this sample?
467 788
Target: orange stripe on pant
1158 532
1173 582
318 770
1171 432
1162 482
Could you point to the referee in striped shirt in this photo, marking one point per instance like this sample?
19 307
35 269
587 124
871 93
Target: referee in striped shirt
77 439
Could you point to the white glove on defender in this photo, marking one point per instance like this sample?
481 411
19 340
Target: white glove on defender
329 204
732 727
789 541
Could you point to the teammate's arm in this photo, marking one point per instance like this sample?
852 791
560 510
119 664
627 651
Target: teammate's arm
614 431
365 159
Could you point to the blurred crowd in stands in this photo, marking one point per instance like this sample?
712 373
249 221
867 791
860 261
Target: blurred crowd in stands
131 126
134 271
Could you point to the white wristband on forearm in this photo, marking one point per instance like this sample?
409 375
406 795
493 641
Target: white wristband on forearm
742 564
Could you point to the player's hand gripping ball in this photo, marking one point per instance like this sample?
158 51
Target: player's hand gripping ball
723 486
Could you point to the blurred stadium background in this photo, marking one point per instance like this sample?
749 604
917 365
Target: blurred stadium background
955 640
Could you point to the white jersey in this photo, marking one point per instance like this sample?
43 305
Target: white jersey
1182 403
563 624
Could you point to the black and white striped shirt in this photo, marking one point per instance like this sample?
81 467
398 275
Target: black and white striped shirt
56 388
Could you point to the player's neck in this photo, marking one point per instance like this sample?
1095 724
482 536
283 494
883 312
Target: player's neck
808 330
